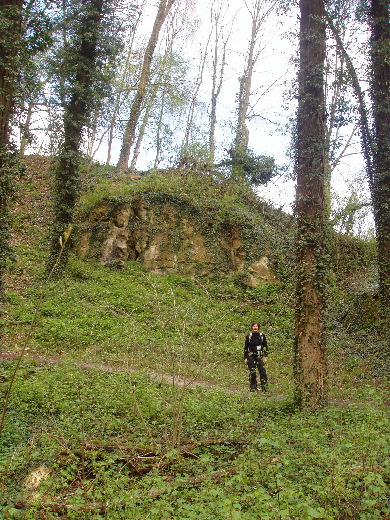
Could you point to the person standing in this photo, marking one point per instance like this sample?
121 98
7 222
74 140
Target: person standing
255 357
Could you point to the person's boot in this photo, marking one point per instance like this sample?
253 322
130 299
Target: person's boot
253 382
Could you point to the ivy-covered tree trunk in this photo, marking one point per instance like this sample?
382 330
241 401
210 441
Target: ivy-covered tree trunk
76 112
136 107
309 347
10 30
10 43
380 92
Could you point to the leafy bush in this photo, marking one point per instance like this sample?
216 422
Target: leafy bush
255 169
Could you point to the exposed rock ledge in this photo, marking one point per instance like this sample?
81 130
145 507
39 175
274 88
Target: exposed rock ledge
169 237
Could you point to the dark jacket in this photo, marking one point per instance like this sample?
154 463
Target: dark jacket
254 340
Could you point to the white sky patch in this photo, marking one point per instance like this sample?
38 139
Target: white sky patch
273 103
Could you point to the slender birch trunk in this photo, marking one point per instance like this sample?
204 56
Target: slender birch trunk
135 111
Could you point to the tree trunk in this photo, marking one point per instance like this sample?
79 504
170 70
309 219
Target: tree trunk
261 9
76 113
217 19
380 92
141 133
163 72
198 84
119 100
10 41
365 134
159 141
128 138
24 130
242 133
11 18
309 347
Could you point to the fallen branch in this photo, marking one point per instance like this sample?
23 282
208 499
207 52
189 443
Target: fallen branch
102 508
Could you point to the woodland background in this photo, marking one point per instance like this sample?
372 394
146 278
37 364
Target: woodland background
192 100
122 393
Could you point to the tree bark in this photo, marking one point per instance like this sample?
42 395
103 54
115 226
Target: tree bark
242 133
217 82
366 138
159 140
260 11
11 17
120 99
198 84
135 111
76 113
309 346
380 93
145 120
10 42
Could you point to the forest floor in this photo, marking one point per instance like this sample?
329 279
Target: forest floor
106 431
155 377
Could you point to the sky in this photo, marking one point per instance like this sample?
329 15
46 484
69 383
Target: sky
273 103
273 75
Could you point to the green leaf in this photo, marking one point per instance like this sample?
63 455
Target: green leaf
313 513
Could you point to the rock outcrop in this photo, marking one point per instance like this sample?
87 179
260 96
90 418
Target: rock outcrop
167 235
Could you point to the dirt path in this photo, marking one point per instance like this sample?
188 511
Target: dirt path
157 377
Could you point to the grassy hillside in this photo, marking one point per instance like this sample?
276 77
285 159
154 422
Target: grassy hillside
131 400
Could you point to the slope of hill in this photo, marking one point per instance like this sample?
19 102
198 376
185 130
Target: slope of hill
131 399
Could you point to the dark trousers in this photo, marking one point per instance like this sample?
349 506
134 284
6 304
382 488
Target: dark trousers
256 363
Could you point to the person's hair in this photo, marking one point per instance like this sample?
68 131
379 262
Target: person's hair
255 323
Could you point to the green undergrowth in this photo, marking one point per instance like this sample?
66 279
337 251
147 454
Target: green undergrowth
198 189
117 445
131 400
131 317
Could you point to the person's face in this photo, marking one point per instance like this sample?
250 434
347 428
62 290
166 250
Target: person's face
255 327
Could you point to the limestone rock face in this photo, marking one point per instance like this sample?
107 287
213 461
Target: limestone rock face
35 478
167 237
258 272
